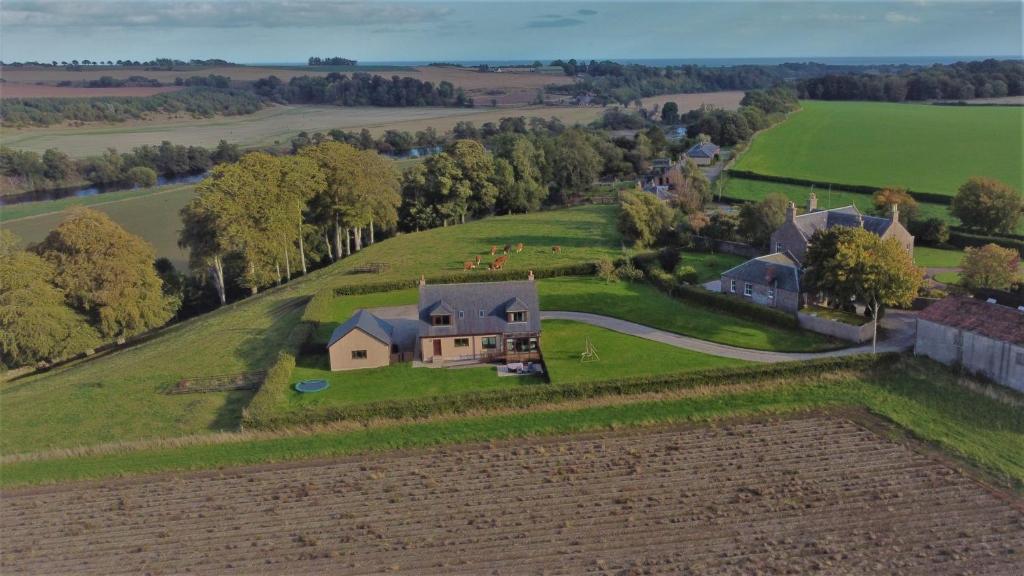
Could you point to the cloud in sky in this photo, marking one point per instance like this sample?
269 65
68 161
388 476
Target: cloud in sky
901 18
220 14
587 12
558 22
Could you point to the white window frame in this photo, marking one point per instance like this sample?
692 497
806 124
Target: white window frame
461 314
732 286
779 247
771 291
748 289
460 342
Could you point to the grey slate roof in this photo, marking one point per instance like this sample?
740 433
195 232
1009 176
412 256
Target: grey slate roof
705 150
846 216
764 269
366 322
495 299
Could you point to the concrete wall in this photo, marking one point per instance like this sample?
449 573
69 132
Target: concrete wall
450 352
836 329
1002 362
784 299
377 353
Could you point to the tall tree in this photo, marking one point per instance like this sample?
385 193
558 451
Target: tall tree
758 220
106 273
643 218
988 205
575 165
477 169
990 266
339 207
518 177
885 198
35 322
300 180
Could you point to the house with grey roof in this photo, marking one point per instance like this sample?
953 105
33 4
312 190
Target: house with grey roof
479 321
772 280
795 233
363 341
704 153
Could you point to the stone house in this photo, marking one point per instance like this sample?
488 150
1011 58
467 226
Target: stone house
772 280
795 233
984 338
482 321
704 154
363 341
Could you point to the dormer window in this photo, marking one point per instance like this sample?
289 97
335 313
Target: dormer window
517 316
441 320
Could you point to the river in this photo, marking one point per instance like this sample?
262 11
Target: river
80 191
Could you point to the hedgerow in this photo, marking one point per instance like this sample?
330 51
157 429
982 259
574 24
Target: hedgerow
273 393
524 397
581 269
931 197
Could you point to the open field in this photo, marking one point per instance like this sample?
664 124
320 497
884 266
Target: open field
729 100
9 90
923 147
646 305
271 126
118 397
151 213
937 257
806 494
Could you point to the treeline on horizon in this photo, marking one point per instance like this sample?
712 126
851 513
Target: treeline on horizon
360 89
156 63
960 81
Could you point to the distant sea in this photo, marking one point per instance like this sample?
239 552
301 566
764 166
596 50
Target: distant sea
709 62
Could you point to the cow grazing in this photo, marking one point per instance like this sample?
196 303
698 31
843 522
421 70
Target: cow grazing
469 265
499 262
493 250
506 249
519 248
478 259
556 249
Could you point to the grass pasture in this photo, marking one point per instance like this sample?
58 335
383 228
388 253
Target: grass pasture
118 397
923 147
927 257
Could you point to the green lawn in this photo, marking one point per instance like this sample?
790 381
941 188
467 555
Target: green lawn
919 395
620 355
937 258
923 147
646 305
710 266
118 397
341 308
948 277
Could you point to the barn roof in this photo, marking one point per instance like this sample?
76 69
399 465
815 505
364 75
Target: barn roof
480 307
848 216
993 321
778 267
704 150
366 322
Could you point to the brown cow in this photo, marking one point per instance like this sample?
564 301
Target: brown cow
478 259
519 248
506 249
469 265
493 249
556 249
499 262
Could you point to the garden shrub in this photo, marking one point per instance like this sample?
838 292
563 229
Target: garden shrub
686 275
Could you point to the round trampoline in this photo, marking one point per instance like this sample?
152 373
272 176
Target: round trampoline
307 386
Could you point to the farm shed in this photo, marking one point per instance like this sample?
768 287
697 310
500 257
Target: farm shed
703 154
983 337
363 341
772 280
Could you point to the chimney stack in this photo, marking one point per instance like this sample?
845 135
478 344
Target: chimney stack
790 212
812 203
530 277
423 280
894 212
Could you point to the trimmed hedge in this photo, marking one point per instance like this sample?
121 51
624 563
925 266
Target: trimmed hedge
931 197
582 269
527 396
668 283
962 240
273 392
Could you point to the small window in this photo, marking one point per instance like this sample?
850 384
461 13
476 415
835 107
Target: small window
359 354
441 320
462 342
489 342
732 286
461 314
482 313
748 289
517 316
779 247
771 292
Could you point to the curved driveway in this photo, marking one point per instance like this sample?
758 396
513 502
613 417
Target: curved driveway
899 326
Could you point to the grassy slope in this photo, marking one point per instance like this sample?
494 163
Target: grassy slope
645 305
151 214
920 396
117 397
923 147
937 257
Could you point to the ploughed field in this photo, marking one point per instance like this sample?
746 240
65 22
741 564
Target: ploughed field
816 493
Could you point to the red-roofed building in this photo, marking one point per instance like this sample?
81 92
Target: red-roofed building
982 337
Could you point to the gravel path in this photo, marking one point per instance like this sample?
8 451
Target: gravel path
900 329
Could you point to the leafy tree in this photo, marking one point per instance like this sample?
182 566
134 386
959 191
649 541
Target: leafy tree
886 197
670 113
106 273
643 218
517 174
691 190
758 220
849 263
990 266
988 205
932 231
476 166
57 166
35 322
202 235
225 153
575 165
140 177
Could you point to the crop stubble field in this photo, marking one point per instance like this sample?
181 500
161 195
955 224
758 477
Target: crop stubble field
814 493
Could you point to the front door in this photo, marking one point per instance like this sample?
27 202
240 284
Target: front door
437 347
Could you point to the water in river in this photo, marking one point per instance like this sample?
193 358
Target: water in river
42 195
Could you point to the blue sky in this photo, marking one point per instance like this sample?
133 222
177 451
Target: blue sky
292 30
